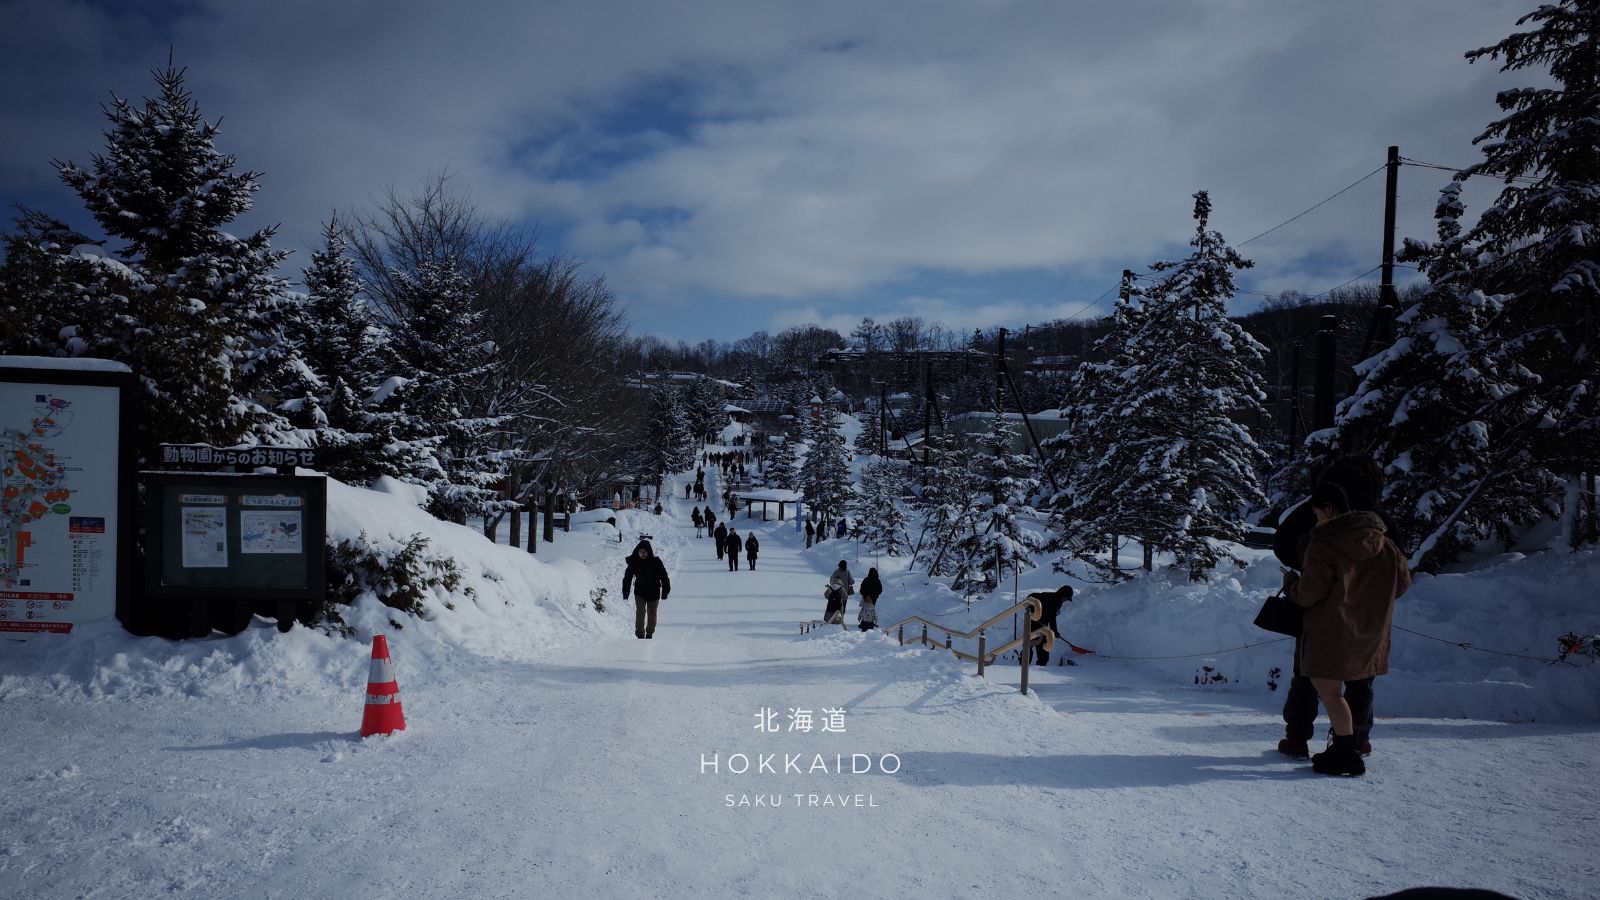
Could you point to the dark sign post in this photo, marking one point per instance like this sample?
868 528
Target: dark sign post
220 548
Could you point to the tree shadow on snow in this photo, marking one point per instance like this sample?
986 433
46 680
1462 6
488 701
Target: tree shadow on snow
1091 771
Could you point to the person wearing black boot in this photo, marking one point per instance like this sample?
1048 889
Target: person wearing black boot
1362 481
721 534
1352 576
733 545
646 578
751 548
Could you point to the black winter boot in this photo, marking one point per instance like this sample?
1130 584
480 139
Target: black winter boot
1341 758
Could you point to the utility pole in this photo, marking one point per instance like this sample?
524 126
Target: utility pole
1380 332
1387 299
1295 418
1327 349
883 418
1000 373
927 418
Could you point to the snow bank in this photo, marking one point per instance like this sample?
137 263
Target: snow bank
1514 604
1517 605
510 605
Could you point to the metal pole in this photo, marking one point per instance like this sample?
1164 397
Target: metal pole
1391 190
1327 350
1027 647
983 648
924 635
902 634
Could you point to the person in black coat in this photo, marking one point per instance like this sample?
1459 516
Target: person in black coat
1050 603
698 520
646 578
711 519
811 533
721 534
733 545
751 548
1362 481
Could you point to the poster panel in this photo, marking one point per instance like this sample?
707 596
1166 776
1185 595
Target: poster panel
59 495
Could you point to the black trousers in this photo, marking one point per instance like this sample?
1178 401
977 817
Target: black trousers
1300 708
733 562
752 562
644 616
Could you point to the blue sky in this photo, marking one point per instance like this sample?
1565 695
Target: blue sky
743 165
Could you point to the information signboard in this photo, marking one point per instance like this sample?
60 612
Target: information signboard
64 492
223 535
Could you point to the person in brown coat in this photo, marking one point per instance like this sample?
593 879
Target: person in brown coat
1351 578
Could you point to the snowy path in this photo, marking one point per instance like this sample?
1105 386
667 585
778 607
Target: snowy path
582 777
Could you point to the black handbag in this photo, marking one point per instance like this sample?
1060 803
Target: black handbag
1280 615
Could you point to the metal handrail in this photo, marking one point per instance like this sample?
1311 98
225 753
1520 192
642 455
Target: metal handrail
1035 612
985 657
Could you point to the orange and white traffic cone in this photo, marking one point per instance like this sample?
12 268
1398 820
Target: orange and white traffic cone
383 714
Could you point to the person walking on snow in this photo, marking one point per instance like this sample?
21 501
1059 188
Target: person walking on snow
711 519
646 578
871 590
1352 576
733 547
811 533
840 586
751 548
722 539
698 520
842 530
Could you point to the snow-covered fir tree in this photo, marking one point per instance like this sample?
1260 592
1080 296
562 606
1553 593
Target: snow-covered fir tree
879 509
1536 249
706 409
668 445
824 476
1483 412
783 463
948 505
1089 511
60 295
341 348
440 343
1181 466
207 315
1000 542
1417 409
869 439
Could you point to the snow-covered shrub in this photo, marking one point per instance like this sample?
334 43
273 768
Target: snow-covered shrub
400 579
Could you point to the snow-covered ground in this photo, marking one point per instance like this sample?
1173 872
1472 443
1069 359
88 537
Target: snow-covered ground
586 763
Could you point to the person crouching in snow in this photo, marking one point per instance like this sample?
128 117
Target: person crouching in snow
1050 603
1351 577
646 578
733 546
751 548
871 590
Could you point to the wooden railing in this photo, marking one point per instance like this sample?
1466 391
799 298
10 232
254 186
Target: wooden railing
986 655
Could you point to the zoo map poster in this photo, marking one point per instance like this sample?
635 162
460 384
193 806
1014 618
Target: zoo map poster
58 505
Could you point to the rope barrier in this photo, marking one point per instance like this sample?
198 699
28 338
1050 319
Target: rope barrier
1085 651
1464 645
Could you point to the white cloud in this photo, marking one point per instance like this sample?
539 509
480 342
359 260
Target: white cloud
834 148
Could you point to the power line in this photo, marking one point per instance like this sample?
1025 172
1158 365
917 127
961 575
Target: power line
1314 207
1407 161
